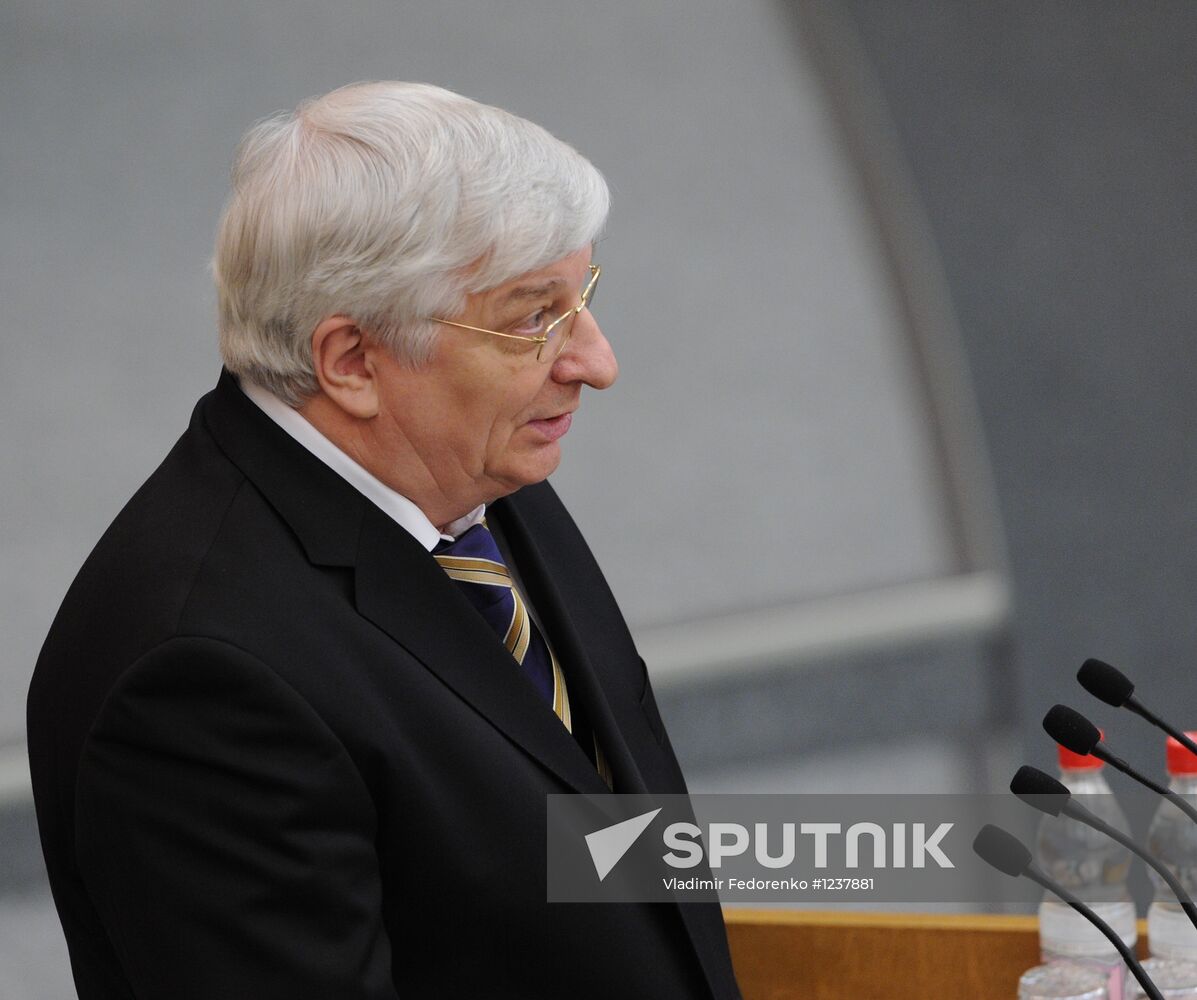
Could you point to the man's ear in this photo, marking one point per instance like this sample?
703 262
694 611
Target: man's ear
341 357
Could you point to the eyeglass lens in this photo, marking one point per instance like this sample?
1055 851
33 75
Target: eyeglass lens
560 334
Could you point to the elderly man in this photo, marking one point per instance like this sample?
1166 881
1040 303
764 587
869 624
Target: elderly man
294 726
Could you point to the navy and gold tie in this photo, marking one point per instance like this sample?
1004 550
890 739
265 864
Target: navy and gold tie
474 562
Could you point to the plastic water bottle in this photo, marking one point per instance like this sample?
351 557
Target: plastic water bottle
1094 868
1176 980
1173 840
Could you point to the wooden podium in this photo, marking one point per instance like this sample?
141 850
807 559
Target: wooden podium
812 955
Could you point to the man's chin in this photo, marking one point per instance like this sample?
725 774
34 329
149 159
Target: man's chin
535 467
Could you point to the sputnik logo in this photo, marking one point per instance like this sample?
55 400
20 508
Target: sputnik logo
611 843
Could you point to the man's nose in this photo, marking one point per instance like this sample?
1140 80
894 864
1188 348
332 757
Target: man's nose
587 357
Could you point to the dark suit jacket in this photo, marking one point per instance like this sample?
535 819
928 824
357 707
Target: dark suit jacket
276 753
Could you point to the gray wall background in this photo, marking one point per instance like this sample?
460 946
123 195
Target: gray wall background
1051 148
767 384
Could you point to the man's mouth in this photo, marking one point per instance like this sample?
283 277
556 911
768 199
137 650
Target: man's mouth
552 428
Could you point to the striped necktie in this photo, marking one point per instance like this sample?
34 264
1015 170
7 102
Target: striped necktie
474 562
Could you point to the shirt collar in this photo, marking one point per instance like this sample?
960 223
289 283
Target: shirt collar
396 506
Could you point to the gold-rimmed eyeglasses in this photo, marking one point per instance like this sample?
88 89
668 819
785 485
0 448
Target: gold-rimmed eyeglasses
552 339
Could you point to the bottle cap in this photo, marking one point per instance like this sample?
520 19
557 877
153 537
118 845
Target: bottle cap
1070 761
1180 759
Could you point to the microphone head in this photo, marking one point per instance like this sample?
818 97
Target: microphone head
1105 683
1040 790
1003 850
1071 729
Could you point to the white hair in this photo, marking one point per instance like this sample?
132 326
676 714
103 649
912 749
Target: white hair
388 203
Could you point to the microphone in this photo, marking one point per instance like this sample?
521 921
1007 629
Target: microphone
1009 855
1003 851
1045 793
1072 730
1108 684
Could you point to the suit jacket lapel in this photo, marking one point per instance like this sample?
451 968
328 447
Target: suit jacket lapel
397 584
564 599
582 648
400 587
